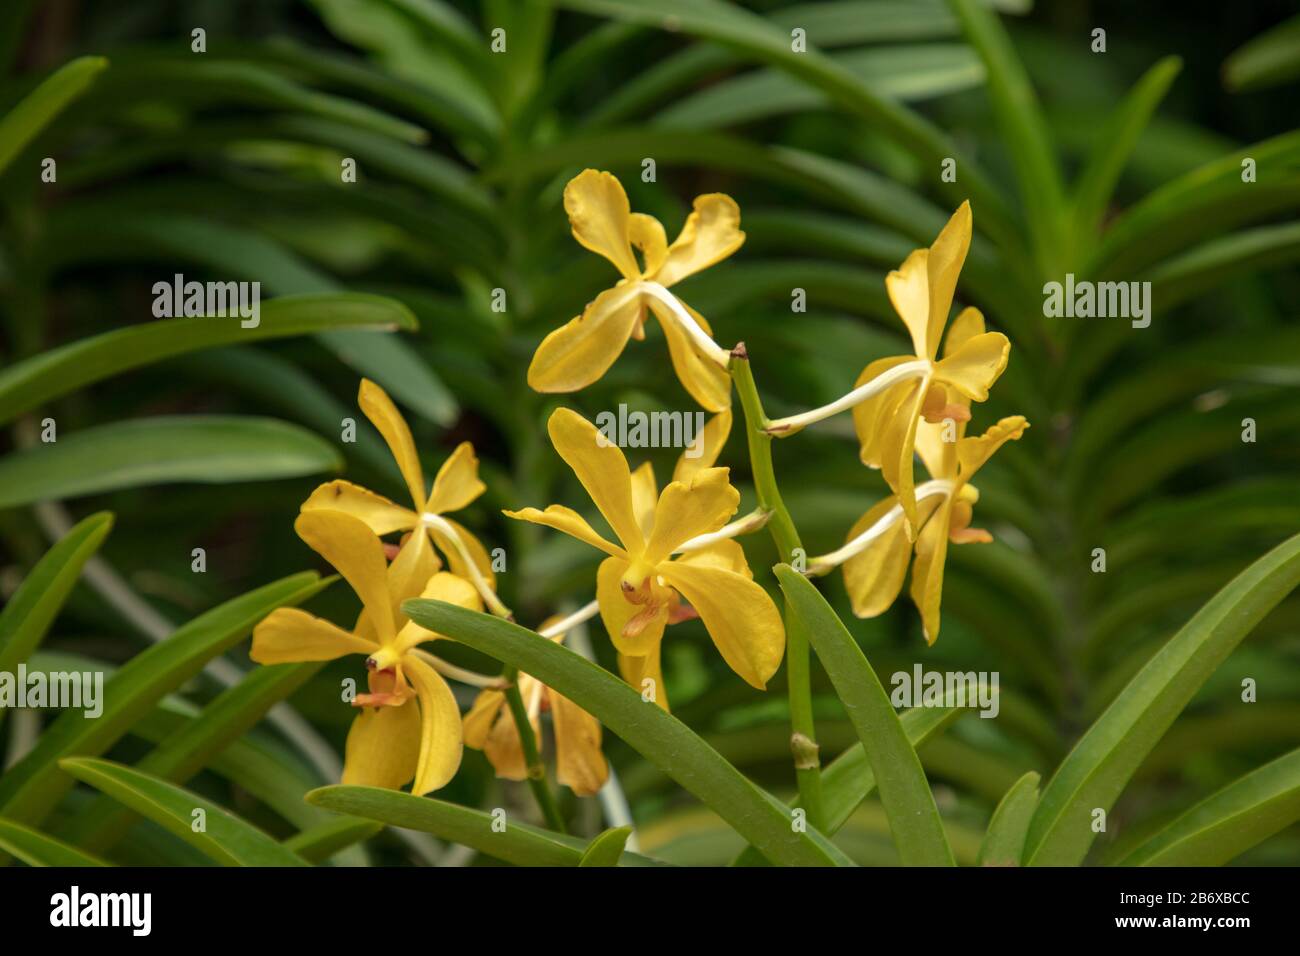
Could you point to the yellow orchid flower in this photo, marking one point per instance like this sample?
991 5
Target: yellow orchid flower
580 352
921 291
392 741
490 727
641 584
725 553
873 576
455 486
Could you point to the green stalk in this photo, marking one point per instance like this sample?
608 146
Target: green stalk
532 756
803 738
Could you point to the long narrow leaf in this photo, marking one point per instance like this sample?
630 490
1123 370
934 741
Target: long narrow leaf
1004 844
30 789
606 849
1096 771
1223 826
36 849
498 837
31 609
152 451
326 839
213 831
1271 58
1020 118
657 736
1115 144
904 791
25 121
193 747
737 28
62 370
904 72
848 779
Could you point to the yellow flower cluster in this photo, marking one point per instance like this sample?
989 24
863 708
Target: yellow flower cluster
673 555
927 415
408 728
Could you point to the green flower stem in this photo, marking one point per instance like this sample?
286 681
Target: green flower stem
532 756
803 740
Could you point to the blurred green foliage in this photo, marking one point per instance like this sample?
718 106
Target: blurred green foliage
226 165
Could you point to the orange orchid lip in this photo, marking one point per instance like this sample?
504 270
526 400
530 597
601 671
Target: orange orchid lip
639 621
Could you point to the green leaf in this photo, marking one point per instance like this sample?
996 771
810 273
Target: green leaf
1004 843
331 70
847 186
1020 118
1223 826
902 72
30 789
63 370
38 109
606 848
412 39
257 763
280 387
251 256
739 29
528 29
1202 203
400 369
518 843
36 849
1214 262
1115 144
223 837
189 80
847 780
31 609
1176 376
828 25
1269 59
657 736
183 754
210 449
326 839
904 791
1096 771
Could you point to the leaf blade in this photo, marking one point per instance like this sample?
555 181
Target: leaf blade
1228 823
39 108
1102 170
606 848
205 449
1095 772
62 370
848 780
224 837
656 735
904 790
30 788
519 843
183 754
37 849
321 842
1020 118
1004 843
31 609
